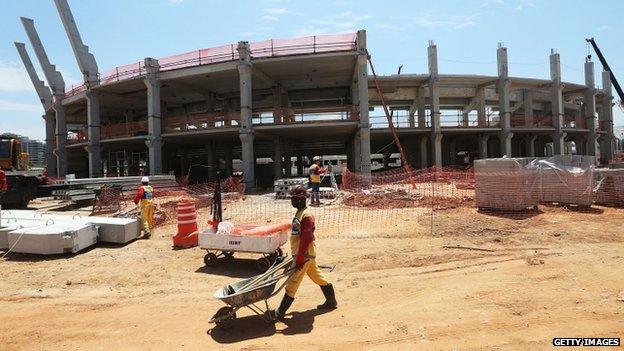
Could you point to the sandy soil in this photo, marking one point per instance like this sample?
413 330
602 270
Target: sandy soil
558 273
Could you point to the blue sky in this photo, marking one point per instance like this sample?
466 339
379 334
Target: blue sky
466 32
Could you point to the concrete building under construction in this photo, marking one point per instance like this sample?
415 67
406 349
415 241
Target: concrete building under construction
286 100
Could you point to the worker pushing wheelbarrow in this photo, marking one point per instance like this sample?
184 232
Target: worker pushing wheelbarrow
262 287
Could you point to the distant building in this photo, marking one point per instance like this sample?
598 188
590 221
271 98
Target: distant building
34 148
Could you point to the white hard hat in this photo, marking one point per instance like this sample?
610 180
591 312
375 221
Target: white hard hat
145 180
316 158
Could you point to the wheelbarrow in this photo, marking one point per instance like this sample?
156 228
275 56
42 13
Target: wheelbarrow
248 292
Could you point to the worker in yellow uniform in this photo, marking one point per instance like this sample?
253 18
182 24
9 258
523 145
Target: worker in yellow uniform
315 178
304 252
144 197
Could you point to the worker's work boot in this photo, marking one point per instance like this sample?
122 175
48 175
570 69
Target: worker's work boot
330 298
283 307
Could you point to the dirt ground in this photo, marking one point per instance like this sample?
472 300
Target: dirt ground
513 284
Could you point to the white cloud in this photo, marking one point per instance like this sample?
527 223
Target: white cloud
275 11
452 22
344 19
603 28
175 2
308 30
13 77
16 106
522 4
269 18
389 27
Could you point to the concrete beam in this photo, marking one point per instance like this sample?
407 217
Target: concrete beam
86 60
54 77
246 134
43 91
590 108
154 119
556 103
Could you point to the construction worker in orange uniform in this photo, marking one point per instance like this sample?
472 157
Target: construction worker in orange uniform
304 252
315 178
144 197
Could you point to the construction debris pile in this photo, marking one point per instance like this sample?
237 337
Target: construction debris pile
386 199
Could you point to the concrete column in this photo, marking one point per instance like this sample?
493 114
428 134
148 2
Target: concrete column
287 161
504 109
61 137
527 105
434 97
436 141
183 160
590 108
210 109
557 103
211 160
277 159
606 119
49 145
452 154
93 130
229 160
362 87
480 106
579 119
483 145
245 131
154 120
421 108
299 166
530 144
581 145
424 152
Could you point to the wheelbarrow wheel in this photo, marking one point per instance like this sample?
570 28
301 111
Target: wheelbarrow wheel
225 317
262 264
228 254
210 260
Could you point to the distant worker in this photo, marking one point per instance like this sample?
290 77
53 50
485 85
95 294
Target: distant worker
144 197
304 252
315 179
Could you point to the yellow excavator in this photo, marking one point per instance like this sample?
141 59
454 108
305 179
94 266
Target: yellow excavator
14 165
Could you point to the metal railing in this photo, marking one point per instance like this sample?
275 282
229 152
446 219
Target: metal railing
268 48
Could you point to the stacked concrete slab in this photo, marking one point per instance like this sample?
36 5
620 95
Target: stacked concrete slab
284 186
609 186
505 184
565 179
26 231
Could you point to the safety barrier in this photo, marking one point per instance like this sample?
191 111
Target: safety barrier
119 130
